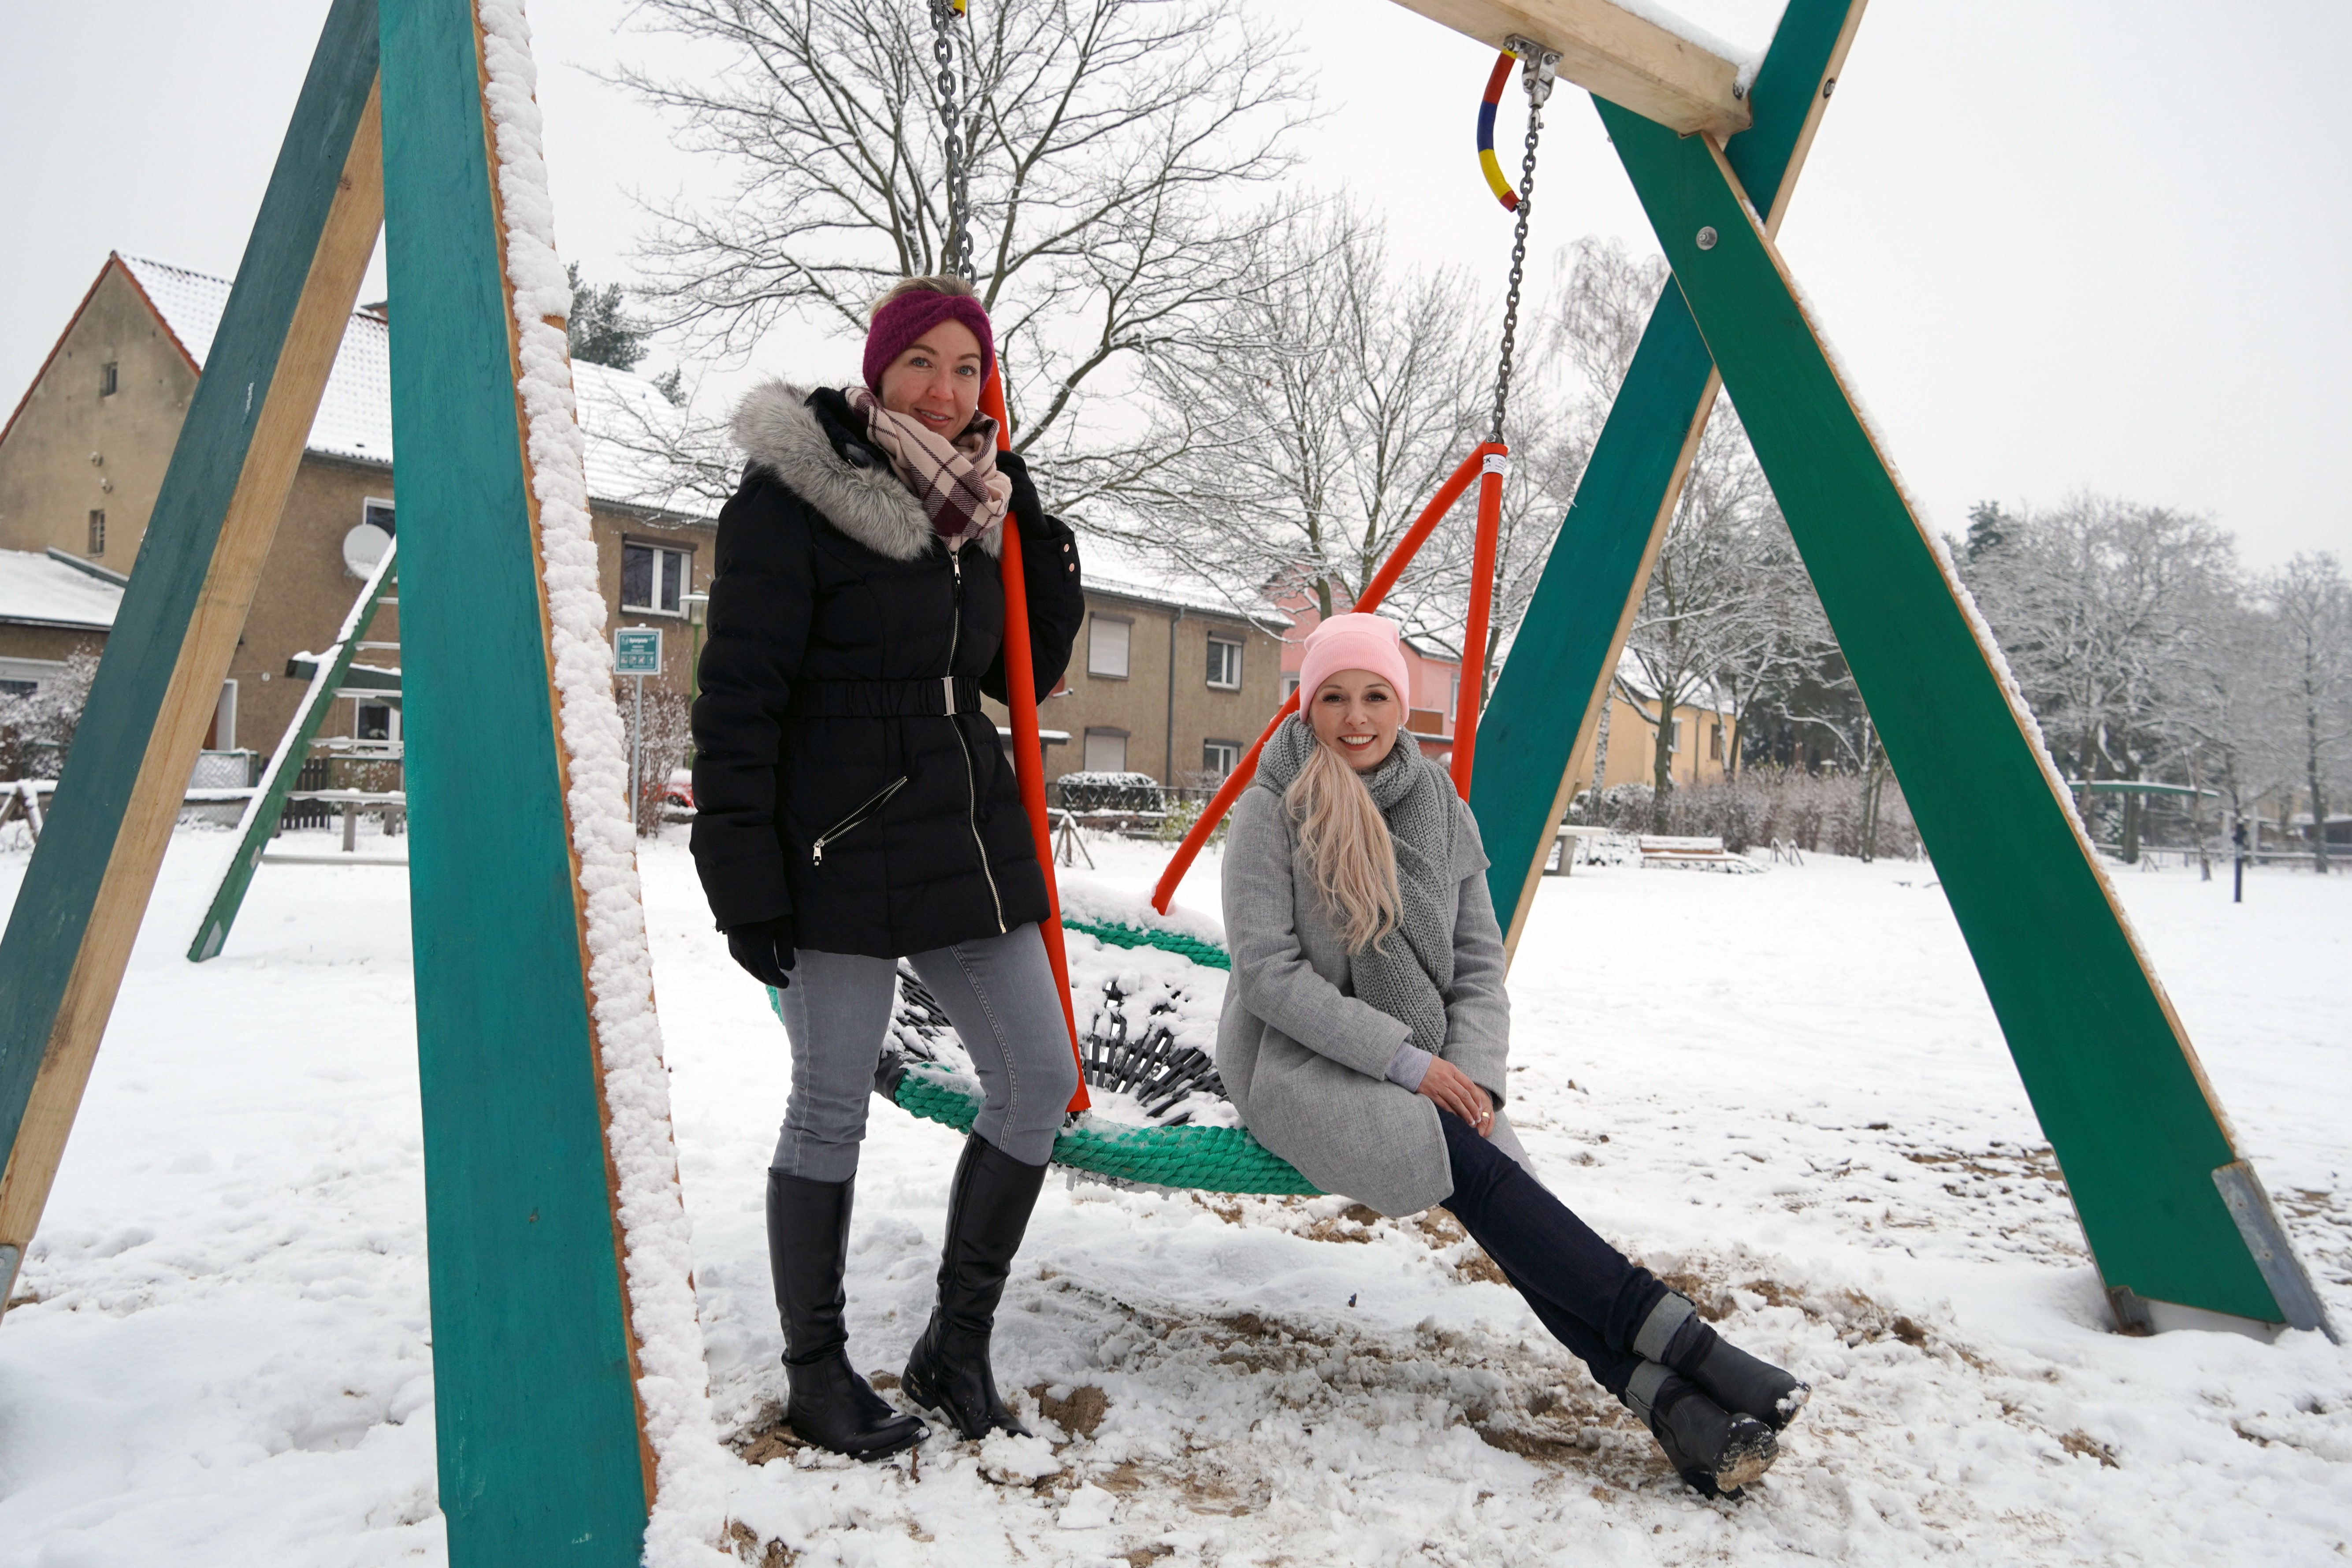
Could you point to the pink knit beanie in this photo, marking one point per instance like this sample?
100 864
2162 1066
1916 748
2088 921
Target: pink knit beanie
897 324
1354 642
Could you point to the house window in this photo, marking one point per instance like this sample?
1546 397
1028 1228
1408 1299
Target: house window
109 378
1289 683
376 513
377 721
1106 751
1674 739
653 577
98 530
1219 758
9 688
1714 741
1106 639
1224 664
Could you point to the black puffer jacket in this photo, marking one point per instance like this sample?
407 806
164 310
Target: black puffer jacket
829 782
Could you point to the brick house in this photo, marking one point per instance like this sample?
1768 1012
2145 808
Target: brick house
1164 680
83 455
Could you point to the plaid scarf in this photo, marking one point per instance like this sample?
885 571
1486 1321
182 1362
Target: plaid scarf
956 481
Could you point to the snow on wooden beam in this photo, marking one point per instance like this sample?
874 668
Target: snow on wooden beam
1623 55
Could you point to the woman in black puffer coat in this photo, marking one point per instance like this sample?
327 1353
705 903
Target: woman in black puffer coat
854 806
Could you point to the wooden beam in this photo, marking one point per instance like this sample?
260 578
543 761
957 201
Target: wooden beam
70 932
2113 1078
1613 53
544 1455
1585 601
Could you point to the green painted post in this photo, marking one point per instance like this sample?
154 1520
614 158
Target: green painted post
2110 1074
540 1453
1550 690
259 824
70 931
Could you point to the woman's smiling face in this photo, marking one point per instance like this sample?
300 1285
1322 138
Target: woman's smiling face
937 381
1356 714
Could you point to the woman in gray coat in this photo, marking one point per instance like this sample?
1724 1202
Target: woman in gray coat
1366 1034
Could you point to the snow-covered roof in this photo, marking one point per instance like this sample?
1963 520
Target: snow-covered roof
1113 568
40 590
1704 696
355 412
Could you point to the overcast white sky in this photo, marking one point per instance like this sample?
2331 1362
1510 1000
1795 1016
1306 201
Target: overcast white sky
2097 245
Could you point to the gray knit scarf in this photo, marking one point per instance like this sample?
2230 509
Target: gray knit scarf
1416 797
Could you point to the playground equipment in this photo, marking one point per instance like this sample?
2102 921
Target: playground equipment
567 1358
2179 1226
568 1369
259 823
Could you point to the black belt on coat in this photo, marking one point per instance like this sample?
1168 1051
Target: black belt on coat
934 698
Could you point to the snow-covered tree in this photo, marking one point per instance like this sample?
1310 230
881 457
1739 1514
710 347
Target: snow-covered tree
36 728
2311 610
2107 610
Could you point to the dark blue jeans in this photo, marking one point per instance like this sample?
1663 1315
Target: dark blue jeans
1589 1295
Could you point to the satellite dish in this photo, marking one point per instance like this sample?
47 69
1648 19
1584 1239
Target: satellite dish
362 547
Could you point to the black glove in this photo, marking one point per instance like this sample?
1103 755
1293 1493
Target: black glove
1027 511
764 948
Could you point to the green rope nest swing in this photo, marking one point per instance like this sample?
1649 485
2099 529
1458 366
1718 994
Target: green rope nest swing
916 1074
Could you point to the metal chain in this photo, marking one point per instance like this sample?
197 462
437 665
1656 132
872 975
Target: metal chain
956 252
1538 66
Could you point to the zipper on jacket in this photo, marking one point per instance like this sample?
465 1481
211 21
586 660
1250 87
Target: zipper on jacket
971 780
872 803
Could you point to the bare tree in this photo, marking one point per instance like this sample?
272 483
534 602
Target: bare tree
1711 609
1104 138
1310 426
2313 609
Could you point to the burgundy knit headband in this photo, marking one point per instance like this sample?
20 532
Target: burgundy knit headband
899 323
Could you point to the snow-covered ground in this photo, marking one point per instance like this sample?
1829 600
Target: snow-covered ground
1786 1090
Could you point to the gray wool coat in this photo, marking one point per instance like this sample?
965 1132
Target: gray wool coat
1306 1061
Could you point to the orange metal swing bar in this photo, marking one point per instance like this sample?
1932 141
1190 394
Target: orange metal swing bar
1486 463
1028 756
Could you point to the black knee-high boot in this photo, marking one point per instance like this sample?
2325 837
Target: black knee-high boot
808 1247
988 1213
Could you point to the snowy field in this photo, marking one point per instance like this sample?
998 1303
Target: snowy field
1786 1091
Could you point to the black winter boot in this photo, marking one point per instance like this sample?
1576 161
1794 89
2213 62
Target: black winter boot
808 1246
1714 1450
988 1211
1676 1336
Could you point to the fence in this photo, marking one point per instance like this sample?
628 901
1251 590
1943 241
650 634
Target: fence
1827 813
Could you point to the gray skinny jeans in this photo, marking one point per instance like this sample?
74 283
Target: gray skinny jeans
1000 994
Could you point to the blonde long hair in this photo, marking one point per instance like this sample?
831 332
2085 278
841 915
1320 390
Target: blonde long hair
1346 841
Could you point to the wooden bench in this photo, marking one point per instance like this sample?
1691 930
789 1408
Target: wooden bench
1706 854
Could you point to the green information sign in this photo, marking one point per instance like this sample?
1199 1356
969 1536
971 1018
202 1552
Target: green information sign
637 650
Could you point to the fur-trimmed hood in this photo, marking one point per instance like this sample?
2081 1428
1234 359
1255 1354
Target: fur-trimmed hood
778 431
